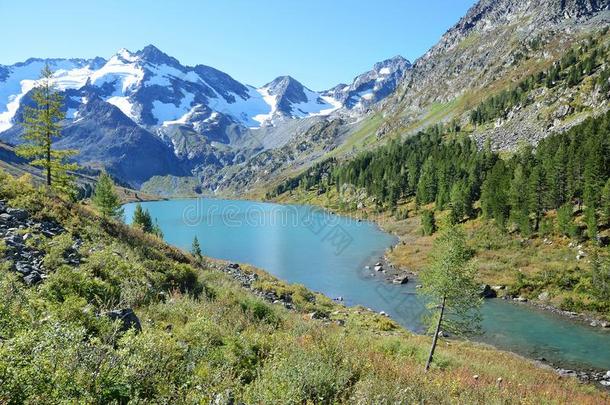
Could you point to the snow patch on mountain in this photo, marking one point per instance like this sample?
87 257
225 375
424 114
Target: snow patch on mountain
121 69
168 111
123 104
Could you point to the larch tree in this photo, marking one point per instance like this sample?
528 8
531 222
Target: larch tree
450 287
42 125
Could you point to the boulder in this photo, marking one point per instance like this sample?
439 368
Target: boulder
401 280
566 373
378 268
18 214
487 292
544 296
33 278
317 315
127 317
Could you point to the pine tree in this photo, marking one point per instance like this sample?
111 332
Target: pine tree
600 277
449 284
142 219
196 249
591 221
536 193
519 200
42 125
564 220
428 222
494 194
156 229
105 198
461 202
605 203
427 185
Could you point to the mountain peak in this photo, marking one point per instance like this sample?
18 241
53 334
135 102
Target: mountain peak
282 80
396 63
154 55
285 84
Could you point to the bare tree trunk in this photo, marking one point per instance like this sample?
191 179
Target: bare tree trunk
435 338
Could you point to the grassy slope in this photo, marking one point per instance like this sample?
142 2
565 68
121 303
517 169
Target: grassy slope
203 334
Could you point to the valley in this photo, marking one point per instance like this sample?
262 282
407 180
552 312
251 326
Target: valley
432 229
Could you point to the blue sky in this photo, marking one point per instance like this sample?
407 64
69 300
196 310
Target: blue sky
319 42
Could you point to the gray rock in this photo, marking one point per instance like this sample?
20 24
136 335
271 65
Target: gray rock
23 268
544 296
18 214
317 315
128 319
33 278
401 280
487 292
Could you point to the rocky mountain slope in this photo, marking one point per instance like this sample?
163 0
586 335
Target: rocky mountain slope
493 47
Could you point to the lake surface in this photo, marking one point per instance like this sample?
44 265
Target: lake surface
329 254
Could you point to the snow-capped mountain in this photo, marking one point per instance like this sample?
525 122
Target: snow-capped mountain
290 99
370 87
154 89
185 117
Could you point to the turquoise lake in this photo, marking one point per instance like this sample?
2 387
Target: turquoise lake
329 253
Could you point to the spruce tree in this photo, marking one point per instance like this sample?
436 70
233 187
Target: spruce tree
106 199
42 125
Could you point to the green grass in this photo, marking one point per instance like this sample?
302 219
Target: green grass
360 138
